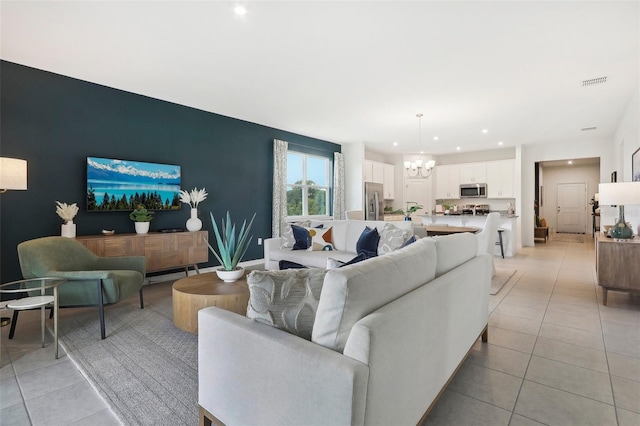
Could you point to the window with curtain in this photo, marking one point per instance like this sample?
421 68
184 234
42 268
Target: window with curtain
308 185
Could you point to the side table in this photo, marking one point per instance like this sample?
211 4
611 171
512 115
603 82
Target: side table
38 301
200 291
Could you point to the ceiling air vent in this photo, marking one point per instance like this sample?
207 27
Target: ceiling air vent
585 129
594 81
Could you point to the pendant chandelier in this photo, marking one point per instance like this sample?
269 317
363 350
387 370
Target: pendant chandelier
415 169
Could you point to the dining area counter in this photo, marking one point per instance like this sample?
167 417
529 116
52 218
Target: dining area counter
508 223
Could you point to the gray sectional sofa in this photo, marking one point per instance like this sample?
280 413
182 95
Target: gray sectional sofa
388 335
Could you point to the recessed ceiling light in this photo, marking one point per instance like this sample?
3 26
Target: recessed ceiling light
500 143
395 144
435 138
458 148
485 131
421 152
240 10
569 162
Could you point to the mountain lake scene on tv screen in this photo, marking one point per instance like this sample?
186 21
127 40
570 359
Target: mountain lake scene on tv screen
123 185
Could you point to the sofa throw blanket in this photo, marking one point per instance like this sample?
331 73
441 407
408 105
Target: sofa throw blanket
287 299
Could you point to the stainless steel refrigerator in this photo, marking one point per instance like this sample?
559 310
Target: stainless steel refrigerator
373 198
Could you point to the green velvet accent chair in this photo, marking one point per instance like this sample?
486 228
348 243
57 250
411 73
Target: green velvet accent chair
93 280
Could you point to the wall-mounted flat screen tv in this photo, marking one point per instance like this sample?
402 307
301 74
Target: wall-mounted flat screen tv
118 185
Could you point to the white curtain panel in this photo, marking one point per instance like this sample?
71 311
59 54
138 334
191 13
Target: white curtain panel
338 186
279 187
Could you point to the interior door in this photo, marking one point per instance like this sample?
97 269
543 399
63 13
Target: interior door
572 207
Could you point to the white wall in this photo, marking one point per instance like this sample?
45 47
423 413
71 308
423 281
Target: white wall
570 150
588 174
353 169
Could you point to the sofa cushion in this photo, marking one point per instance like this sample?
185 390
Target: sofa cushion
320 239
454 250
287 300
368 242
353 292
288 239
314 259
391 238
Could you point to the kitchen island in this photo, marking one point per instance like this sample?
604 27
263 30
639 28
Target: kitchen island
509 223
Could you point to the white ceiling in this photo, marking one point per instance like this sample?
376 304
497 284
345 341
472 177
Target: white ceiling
355 71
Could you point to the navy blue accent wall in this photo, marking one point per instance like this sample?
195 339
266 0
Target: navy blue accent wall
54 122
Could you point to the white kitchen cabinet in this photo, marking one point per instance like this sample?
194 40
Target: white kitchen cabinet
417 191
373 171
389 181
500 179
473 173
377 172
447 182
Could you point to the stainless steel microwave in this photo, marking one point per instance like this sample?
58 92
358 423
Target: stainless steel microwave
473 190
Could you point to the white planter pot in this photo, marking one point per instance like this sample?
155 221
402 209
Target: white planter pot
193 223
230 276
142 227
68 230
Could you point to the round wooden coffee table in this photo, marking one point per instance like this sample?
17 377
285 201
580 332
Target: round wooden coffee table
199 291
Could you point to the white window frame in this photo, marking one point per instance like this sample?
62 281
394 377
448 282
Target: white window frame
305 188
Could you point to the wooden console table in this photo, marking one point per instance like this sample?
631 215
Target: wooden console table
170 250
617 264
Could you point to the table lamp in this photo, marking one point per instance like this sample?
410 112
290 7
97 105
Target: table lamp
620 194
13 174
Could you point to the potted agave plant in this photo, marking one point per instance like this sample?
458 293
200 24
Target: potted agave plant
141 218
231 247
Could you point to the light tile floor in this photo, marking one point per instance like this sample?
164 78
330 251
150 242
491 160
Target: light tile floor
555 356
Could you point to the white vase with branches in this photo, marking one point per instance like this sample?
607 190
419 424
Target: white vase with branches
193 198
67 212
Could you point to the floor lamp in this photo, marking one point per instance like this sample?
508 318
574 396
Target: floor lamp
13 176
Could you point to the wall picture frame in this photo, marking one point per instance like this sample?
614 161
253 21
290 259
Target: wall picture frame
635 166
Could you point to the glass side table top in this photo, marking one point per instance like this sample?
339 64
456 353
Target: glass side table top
41 300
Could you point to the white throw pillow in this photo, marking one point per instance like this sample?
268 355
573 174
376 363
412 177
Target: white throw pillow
286 299
391 238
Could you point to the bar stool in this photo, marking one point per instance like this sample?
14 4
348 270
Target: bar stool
41 300
499 242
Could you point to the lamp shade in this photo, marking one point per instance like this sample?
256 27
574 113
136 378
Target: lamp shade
13 173
623 193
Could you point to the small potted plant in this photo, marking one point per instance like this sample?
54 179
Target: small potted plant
410 210
231 247
67 212
141 218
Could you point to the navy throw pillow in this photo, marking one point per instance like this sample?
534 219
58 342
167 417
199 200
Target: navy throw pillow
359 258
302 238
285 264
409 241
368 242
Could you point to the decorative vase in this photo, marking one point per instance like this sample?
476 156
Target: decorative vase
230 276
68 229
142 227
193 223
407 218
621 229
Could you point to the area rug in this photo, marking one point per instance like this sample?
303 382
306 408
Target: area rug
146 368
500 279
568 238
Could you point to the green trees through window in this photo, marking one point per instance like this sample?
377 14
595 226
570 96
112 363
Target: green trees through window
308 187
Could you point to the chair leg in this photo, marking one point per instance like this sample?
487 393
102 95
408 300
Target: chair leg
101 310
14 320
141 299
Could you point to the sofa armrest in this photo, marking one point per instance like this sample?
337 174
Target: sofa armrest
270 244
252 373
